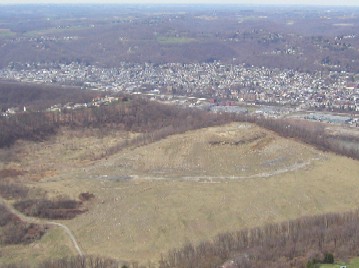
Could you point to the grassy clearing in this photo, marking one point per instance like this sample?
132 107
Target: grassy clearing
206 17
6 33
70 150
150 217
174 40
55 31
353 263
54 243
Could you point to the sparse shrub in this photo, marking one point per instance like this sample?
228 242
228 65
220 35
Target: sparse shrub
51 209
313 264
15 231
13 191
21 233
328 258
86 196
16 266
6 216
83 262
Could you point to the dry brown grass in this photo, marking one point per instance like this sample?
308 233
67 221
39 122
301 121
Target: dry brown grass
9 173
183 188
244 151
150 217
70 150
53 244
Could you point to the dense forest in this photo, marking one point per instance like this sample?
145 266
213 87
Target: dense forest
152 119
26 126
34 125
37 97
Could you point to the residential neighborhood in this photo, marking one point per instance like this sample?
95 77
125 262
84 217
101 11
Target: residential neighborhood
273 92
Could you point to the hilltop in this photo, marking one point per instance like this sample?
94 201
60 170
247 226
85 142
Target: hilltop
186 187
236 151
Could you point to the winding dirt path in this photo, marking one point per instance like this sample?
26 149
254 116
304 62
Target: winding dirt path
291 168
39 221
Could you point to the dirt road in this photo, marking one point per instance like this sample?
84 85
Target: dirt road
40 221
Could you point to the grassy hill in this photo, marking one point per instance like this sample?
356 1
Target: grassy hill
186 187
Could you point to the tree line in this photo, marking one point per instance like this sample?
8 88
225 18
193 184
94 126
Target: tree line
153 120
309 132
37 97
156 121
63 209
25 126
294 243
312 133
140 115
75 262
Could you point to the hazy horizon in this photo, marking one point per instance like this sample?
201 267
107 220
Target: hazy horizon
188 2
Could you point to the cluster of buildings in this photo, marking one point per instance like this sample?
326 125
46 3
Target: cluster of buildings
221 83
11 111
96 102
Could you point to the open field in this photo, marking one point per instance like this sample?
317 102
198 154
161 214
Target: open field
174 40
56 30
186 187
55 243
354 263
149 217
6 33
61 154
